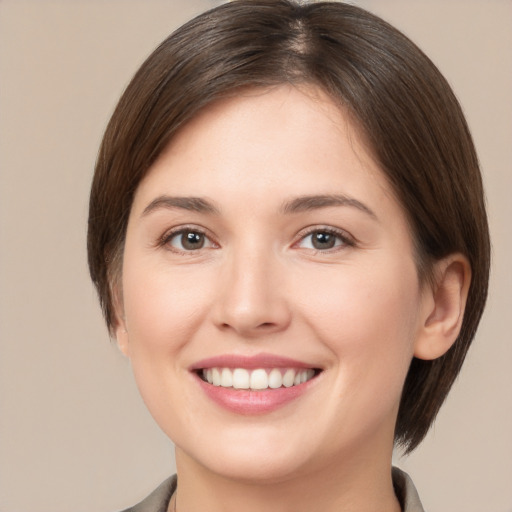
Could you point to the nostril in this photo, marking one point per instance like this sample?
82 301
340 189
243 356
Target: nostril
251 320
264 325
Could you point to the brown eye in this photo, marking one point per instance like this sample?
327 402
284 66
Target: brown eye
323 240
189 240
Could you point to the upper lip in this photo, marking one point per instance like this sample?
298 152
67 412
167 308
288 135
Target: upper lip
262 360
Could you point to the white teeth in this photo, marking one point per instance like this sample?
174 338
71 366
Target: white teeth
226 378
240 378
288 378
275 379
259 379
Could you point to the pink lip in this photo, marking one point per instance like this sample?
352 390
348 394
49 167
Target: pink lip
247 402
250 402
262 360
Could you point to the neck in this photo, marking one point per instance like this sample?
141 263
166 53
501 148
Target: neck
355 486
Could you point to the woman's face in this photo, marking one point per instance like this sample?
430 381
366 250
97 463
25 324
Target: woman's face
265 250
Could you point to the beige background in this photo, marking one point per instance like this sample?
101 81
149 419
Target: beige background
74 434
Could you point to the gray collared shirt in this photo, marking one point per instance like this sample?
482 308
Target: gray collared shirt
406 492
158 500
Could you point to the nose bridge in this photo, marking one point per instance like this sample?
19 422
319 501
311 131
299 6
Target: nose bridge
253 300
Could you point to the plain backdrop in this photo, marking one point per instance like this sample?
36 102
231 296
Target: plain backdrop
74 434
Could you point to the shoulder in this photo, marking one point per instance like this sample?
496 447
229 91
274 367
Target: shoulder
406 492
158 500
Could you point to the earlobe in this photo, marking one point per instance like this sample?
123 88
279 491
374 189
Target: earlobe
119 329
122 338
443 315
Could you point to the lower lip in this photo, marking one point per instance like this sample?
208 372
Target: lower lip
248 402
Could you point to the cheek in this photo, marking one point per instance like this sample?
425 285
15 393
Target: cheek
163 311
369 324
358 300
368 318
161 307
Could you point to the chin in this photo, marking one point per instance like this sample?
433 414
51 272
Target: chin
258 458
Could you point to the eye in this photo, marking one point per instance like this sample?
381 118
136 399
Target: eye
324 239
188 240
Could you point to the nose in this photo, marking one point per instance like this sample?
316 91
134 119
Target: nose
252 299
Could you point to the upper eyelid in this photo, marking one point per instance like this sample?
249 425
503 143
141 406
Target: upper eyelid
342 233
172 232
301 234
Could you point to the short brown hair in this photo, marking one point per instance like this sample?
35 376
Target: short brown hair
402 104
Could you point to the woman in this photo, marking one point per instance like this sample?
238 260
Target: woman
288 236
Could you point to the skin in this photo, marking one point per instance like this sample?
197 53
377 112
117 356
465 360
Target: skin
357 311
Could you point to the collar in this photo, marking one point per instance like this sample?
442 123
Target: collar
158 500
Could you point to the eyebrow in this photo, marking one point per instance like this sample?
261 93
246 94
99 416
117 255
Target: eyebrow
295 205
306 203
195 204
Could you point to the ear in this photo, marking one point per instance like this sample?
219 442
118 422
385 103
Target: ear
122 338
119 328
444 305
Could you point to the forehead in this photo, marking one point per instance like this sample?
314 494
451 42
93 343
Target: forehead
281 135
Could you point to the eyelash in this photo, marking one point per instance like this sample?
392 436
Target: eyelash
167 237
343 236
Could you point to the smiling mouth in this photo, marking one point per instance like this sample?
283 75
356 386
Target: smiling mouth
257 379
